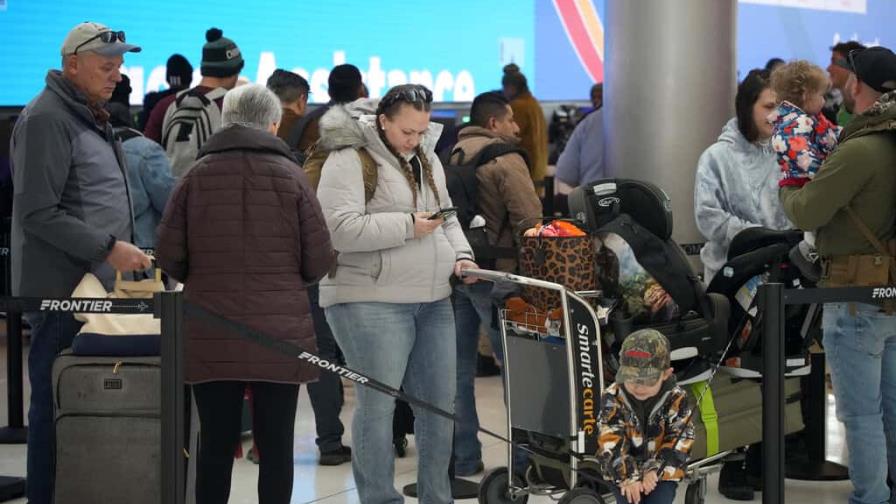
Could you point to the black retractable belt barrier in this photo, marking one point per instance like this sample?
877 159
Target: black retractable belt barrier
773 300
286 348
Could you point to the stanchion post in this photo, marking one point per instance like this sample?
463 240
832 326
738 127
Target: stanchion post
771 298
14 370
169 307
15 432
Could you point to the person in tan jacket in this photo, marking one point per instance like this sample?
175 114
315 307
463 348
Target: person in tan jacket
507 198
533 129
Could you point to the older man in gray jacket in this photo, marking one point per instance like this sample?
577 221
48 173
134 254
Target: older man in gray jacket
71 213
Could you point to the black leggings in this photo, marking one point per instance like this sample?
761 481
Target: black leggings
220 407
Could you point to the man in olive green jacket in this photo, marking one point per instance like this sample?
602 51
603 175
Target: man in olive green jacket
860 340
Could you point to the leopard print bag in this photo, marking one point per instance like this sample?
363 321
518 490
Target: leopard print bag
569 261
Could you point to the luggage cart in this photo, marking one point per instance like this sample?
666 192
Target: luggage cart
553 381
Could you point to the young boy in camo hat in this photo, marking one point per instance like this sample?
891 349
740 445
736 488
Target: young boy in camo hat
645 424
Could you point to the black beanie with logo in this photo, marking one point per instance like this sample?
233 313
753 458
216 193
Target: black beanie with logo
220 55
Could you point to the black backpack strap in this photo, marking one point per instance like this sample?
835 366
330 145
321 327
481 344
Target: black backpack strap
496 150
461 155
489 153
192 92
298 129
125 134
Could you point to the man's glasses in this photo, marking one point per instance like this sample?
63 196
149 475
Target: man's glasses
109 37
842 63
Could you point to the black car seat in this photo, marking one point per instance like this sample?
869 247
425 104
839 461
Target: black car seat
641 214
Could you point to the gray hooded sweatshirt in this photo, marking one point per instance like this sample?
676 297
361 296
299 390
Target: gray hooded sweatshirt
736 188
379 258
71 193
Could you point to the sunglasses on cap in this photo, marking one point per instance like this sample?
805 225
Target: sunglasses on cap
412 93
851 57
109 37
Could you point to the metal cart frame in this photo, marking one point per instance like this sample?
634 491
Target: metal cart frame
570 301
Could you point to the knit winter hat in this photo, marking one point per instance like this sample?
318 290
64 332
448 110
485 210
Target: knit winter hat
220 55
179 72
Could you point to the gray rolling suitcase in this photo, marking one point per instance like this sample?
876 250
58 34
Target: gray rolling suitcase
108 429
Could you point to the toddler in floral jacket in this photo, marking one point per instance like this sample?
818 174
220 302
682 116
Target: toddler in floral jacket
803 137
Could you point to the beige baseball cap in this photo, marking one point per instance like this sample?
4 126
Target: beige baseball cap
98 38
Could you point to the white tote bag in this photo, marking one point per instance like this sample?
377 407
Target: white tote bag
116 324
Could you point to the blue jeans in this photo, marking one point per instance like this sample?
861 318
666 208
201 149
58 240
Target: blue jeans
50 334
410 345
664 493
473 307
861 352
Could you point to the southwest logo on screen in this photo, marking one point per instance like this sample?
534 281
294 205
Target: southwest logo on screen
586 34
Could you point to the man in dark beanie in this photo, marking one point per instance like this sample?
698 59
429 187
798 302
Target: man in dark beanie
344 85
178 122
178 74
851 205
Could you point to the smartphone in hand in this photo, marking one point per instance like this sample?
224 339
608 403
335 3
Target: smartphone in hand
443 213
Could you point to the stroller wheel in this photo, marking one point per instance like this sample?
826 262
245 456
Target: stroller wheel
582 496
696 492
494 488
401 446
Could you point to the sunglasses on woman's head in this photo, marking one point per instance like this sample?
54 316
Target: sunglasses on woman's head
410 94
109 37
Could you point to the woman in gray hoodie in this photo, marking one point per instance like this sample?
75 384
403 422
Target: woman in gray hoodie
737 188
737 177
387 300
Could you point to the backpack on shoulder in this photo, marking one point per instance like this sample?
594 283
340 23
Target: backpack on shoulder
463 187
316 157
190 120
298 130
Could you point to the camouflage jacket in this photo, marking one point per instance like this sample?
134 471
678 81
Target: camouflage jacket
626 450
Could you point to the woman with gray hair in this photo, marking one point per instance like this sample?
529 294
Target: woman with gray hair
245 234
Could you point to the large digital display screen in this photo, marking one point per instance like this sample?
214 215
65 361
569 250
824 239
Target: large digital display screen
456 47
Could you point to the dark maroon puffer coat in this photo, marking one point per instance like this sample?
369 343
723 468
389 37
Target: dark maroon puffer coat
244 232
